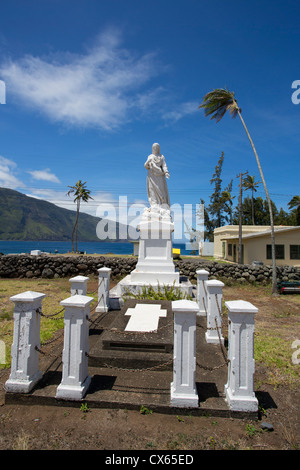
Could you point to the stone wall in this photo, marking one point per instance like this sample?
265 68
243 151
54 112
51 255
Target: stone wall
54 266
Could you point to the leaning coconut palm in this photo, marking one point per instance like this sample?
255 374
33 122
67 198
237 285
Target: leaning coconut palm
80 194
215 104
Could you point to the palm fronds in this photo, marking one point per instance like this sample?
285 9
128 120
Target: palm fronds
217 102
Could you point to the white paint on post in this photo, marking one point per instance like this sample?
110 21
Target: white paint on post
239 389
79 285
25 371
75 379
183 387
202 276
103 290
214 290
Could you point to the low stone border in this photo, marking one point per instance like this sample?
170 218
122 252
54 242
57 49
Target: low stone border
55 266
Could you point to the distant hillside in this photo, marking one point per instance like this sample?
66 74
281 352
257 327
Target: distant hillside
28 218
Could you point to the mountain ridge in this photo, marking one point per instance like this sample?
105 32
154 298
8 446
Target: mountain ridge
27 218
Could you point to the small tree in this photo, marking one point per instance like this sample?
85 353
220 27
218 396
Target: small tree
80 193
250 183
227 199
216 200
295 205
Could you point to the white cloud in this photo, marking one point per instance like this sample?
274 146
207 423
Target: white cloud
8 179
98 89
44 175
182 110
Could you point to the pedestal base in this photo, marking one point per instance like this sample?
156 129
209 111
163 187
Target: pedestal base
73 392
212 337
184 400
128 285
101 309
22 386
240 402
154 277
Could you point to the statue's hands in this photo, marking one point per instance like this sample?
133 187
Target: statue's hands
167 175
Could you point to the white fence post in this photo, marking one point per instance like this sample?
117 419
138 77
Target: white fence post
79 285
183 387
202 276
239 389
214 311
25 371
103 290
75 379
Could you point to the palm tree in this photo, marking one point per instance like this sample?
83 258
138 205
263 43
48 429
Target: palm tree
215 104
295 204
80 193
250 183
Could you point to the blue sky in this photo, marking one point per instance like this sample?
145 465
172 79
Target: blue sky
90 85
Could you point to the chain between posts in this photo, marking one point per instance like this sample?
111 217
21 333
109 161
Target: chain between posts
39 310
227 361
50 316
158 366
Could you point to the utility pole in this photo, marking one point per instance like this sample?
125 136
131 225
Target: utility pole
240 247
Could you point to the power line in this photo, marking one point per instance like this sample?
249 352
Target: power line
140 191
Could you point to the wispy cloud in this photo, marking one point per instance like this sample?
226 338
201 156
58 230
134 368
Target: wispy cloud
8 178
181 111
44 175
98 89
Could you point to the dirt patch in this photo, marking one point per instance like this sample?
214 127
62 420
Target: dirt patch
47 427
69 428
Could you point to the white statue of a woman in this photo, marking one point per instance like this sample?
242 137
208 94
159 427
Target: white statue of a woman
157 189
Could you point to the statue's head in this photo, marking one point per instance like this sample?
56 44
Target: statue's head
155 149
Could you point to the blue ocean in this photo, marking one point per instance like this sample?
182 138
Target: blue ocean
117 248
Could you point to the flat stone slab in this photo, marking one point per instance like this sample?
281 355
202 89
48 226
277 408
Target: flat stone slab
141 325
144 317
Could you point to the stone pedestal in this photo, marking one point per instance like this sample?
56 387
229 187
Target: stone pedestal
79 285
75 378
103 289
214 290
202 276
25 371
155 265
183 387
239 389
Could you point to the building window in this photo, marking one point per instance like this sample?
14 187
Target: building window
279 251
294 251
229 249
